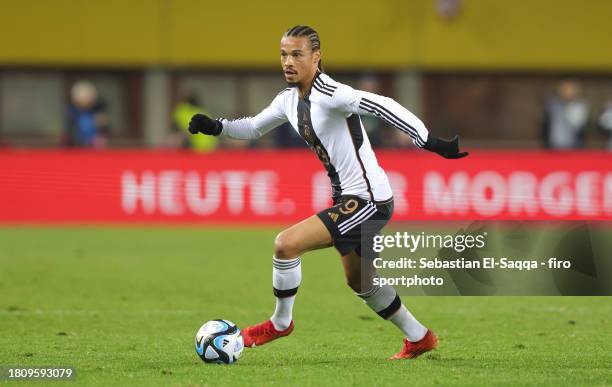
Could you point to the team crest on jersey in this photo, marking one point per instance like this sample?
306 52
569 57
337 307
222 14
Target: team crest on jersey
333 216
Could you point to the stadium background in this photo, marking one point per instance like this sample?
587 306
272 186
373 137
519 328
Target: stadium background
480 69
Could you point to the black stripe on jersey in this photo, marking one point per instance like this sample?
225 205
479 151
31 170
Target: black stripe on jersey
324 85
314 85
406 127
387 119
308 134
354 125
391 118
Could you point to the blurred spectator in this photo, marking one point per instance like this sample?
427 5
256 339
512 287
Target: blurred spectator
565 117
605 122
87 121
183 111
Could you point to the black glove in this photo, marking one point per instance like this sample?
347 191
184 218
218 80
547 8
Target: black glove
446 149
201 123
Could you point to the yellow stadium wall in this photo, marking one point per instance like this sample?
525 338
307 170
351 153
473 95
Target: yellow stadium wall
386 34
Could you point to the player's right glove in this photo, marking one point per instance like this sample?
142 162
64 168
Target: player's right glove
201 123
446 149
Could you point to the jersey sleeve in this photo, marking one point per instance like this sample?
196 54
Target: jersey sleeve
248 128
360 102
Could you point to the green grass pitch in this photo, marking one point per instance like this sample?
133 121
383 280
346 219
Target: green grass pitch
122 306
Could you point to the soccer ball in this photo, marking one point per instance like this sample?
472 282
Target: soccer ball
219 341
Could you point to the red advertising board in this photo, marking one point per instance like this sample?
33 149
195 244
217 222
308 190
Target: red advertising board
285 186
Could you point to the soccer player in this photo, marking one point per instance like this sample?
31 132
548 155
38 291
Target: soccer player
326 114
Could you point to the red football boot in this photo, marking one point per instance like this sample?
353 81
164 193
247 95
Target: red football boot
262 333
412 350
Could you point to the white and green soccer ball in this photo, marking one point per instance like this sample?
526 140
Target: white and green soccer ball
219 341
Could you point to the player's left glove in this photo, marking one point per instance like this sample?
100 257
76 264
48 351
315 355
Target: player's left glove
201 123
446 149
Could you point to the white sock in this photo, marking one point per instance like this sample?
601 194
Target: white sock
282 313
286 278
385 301
412 328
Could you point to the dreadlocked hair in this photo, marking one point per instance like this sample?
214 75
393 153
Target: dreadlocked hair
311 34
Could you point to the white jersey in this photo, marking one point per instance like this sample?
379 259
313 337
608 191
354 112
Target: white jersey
327 118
